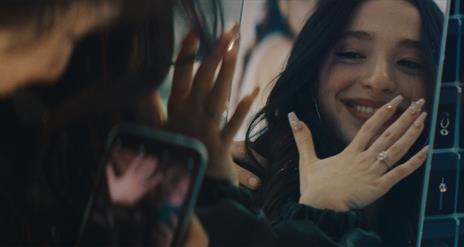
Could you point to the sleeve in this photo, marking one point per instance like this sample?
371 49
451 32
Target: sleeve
227 214
299 225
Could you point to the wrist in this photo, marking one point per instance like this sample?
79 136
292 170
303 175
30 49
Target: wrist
319 203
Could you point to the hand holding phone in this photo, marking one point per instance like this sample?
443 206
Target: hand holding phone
139 177
152 179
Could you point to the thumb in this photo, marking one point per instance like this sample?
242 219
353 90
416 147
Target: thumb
303 139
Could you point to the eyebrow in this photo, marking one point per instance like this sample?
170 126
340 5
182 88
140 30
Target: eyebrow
362 35
357 35
411 43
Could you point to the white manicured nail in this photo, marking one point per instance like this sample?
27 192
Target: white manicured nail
294 121
420 120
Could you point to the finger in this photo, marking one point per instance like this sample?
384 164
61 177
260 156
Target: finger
110 173
400 172
182 78
135 163
238 150
154 181
241 157
147 167
399 149
196 235
240 113
221 89
398 128
203 81
247 178
159 114
373 125
303 139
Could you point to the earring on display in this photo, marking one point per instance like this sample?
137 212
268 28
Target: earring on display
442 188
444 124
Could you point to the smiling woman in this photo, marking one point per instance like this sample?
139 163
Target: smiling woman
356 82
373 62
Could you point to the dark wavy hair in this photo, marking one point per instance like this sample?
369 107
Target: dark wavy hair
296 91
110 78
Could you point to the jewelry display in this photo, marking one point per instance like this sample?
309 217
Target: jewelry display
442 188
444 124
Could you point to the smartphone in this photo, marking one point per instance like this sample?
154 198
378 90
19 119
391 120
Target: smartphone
147 187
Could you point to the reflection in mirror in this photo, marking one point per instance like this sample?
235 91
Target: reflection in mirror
350 59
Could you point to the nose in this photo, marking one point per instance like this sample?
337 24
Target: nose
379 78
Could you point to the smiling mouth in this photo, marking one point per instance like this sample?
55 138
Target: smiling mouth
363 109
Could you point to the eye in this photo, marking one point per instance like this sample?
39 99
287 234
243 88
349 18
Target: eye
350 55
411 64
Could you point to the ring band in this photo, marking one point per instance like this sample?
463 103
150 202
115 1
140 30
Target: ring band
383 157
216 116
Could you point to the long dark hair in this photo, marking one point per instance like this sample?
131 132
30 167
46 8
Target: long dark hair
109 80
296 90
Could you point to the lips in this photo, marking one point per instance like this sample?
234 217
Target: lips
363 109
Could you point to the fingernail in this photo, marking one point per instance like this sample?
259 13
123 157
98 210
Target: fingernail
233 43
235 29
416 106
420 103
294 121
420 120
235 33
253 182
424 151
395 101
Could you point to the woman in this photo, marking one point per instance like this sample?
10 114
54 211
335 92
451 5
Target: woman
347 67
35 47
37 40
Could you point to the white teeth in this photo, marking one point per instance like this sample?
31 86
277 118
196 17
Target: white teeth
365 109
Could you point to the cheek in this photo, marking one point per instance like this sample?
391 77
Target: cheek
334 79
414 90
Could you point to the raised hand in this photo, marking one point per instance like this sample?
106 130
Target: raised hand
363 172
241 158
196 104
139 178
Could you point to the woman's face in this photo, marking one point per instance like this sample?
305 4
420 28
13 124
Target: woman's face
379 57
27 57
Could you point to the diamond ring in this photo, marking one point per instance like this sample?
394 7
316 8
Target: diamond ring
382 156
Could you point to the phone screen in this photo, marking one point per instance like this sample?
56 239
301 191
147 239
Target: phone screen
148 187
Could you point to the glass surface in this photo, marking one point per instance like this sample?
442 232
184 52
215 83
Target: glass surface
442 197
450 69
442 192
440 233
447 130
